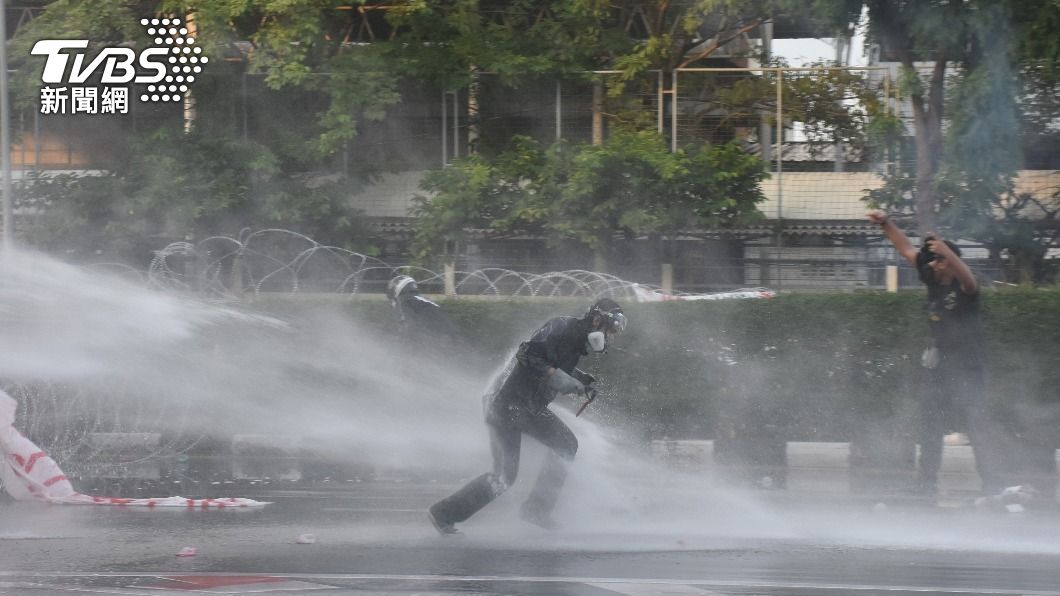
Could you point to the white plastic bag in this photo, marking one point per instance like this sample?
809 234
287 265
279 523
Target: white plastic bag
930 358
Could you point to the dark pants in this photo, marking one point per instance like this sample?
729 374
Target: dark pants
505 442
955 397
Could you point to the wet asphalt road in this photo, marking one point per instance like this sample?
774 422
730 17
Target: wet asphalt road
373 539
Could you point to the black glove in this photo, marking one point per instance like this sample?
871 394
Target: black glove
584 377
590 395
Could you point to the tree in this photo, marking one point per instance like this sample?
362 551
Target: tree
916 30
299 44
834 106
595 195
450 44
634 186
179 185
101 21
964 177
293 44
670 35
216 180
477 193
447 41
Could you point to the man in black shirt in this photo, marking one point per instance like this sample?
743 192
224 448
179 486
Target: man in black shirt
544 367
956 362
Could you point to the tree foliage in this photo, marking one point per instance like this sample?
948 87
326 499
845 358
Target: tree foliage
327 89
178 186
447 42
106 22
833 106
293 44
988 72
163 184
595 195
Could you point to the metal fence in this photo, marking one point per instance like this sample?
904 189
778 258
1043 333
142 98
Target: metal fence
807 123
281 261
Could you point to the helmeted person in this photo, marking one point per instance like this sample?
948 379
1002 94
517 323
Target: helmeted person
544 367
422 322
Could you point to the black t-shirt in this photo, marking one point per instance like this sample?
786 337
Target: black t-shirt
955 322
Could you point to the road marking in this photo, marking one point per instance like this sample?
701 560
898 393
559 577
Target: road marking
654 589
606 581
371 510
242 584
23 586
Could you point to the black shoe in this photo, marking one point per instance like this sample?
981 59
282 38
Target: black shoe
538 518
444 528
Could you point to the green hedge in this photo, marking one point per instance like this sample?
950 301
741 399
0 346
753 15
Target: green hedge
800 366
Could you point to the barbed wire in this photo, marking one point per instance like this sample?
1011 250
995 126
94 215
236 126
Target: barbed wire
87 426
103 423
275 260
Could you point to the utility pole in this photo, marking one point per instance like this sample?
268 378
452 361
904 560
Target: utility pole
5 137
190 108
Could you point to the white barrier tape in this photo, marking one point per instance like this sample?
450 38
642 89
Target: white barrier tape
29 474
646 294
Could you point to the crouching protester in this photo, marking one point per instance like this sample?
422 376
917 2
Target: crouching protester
955 363
423 325
544 367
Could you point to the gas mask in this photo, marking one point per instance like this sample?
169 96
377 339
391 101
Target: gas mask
611 320
597 341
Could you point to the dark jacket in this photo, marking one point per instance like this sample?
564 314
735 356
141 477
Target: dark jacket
424 321
524 385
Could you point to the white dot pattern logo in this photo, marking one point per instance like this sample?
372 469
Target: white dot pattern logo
170 33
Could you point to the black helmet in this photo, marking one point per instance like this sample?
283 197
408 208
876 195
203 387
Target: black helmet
610 311
400 284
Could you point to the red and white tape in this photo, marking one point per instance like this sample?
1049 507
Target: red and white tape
29 474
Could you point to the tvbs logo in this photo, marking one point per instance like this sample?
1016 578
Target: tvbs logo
118 63
166 69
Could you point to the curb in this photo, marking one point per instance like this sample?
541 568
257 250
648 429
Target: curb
821 467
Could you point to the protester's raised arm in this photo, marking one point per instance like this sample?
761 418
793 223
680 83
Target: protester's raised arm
894 234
